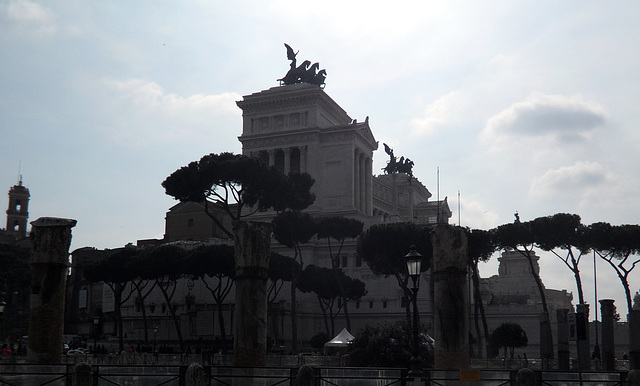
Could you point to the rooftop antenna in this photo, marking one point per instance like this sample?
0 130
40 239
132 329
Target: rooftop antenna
459 223
438 194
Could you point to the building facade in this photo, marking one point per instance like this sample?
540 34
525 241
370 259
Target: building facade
298 127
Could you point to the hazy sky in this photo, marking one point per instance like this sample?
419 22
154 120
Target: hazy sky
528 106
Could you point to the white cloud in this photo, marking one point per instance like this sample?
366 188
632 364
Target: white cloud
437 114
474 215
151 96
145 112
554 118
578 179
31 16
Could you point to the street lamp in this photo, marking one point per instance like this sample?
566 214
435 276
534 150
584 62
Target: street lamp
96 324
155 335
414 263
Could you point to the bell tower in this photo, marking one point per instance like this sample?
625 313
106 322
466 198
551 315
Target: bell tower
18 211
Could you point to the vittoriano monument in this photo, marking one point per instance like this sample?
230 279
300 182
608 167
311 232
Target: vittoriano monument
304 73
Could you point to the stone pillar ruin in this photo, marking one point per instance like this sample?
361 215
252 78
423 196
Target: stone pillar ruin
634 340
608 352
252 249
50 241
582 327
451 307
563 339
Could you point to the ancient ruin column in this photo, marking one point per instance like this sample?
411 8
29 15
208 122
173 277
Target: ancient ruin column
563 339
252 248
634 339
582 327
50 240
607 310
451 307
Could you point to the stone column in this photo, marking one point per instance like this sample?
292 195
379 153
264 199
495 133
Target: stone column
582 328
367 187
451 307
363 195
287 160
252 248
607 310
50 241
634 340
563 339
356 179
272 157
303 159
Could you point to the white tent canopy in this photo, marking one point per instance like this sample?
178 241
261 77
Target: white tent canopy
341 340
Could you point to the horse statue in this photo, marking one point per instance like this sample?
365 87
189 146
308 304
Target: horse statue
304 73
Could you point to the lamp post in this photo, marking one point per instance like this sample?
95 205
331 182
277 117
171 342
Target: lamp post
414 263
96 324
155 335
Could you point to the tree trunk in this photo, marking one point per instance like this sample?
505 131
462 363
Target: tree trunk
480 305
176 320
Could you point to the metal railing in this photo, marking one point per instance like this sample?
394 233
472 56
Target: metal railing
156 375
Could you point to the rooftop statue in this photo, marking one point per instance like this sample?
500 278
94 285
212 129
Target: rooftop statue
395 166
304 73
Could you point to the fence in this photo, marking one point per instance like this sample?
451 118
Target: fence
175 375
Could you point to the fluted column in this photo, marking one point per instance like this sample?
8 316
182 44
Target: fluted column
356 179
272 157
287 160
303 159
368 188
362 184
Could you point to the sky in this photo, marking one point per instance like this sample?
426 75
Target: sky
527 106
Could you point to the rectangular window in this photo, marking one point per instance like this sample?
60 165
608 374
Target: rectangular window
344 261
404 302
358 261
358 304
371 304
384 304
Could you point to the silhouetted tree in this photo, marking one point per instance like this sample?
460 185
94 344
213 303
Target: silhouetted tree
115 271
292 229
618 243
481 245
383 247
509 335
564 232
165 265
318 340
340 229
389 345
215 262
281 269
519 236
326 284
239 186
